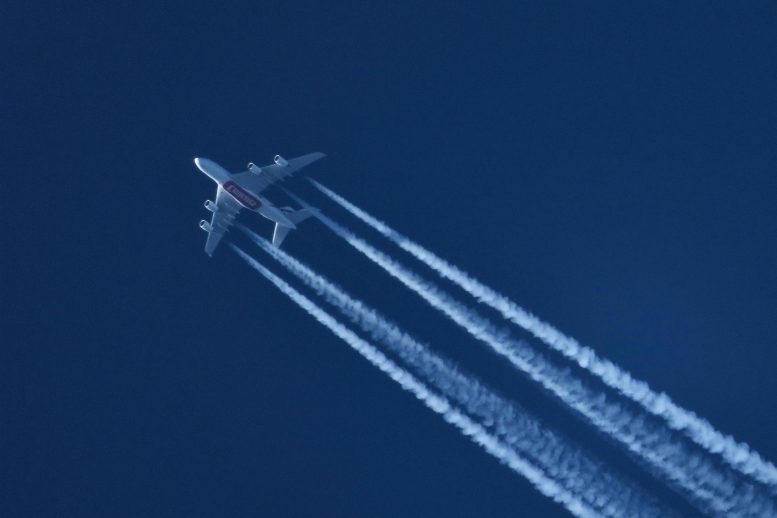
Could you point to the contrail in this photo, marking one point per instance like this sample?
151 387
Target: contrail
432 400
585 477
738 455
713 490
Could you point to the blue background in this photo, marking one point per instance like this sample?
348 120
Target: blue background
610 166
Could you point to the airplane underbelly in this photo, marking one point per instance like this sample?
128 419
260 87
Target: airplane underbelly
242 196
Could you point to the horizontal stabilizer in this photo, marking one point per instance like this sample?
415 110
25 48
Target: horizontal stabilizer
295 216
279 234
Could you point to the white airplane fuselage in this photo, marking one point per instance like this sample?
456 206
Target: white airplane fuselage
242 195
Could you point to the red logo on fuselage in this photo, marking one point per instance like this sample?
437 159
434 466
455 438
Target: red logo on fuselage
243 197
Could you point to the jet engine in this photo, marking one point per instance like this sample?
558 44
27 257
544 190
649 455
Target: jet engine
204 225
280 161
211 206
254 168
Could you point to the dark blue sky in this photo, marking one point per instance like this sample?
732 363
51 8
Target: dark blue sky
610 166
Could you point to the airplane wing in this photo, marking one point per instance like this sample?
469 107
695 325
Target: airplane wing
226 212
275 172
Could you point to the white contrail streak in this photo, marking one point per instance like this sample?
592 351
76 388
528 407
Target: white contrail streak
600 490
738 455
432 400
715 491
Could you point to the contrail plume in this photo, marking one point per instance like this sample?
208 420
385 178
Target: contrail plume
713 490
738 455
431 399
603 491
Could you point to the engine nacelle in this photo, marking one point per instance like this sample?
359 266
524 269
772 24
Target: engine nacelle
280 161
211 206
204 225
254 168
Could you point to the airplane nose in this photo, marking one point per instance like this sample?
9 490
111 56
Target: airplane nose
202 164
217 173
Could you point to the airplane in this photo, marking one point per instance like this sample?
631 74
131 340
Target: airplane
236 191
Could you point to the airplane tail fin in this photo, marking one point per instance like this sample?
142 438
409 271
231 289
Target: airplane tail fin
281 231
